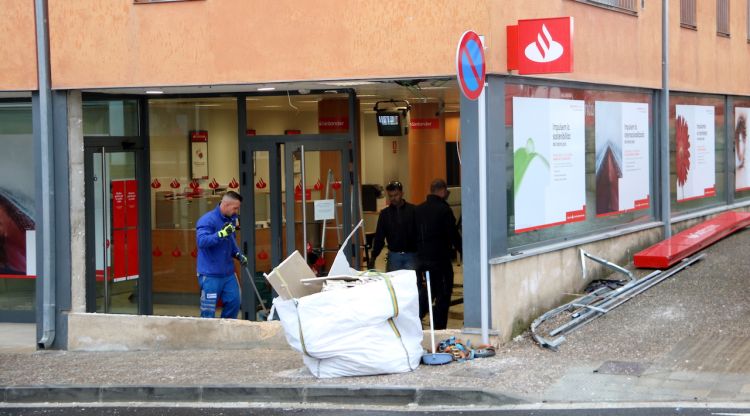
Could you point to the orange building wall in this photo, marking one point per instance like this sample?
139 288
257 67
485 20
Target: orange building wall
702 61
18 51
115 43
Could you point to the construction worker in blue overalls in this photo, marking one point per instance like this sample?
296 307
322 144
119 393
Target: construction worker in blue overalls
216 249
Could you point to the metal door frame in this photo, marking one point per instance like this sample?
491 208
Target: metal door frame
94 145
313 145
272 145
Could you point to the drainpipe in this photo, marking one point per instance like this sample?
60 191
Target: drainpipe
664 125
45 195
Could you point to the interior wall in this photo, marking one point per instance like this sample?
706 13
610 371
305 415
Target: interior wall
426 159
380 163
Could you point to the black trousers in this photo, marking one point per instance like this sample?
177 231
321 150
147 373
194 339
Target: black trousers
441 279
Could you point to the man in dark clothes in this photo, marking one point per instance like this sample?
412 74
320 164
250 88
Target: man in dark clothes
438 234
397 225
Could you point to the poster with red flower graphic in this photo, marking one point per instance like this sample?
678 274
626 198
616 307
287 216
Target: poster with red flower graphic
199 154
549 184
622 157
741 170
694 152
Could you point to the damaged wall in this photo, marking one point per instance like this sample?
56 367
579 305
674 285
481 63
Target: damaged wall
524 289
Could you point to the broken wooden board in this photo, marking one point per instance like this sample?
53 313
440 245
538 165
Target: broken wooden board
286 278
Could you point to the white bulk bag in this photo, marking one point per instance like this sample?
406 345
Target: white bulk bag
348 332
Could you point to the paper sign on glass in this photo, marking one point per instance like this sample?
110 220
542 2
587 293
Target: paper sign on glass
324 209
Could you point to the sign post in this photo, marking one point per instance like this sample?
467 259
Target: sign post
470 67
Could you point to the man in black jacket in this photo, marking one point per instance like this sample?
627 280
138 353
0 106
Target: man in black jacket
438 234
396 225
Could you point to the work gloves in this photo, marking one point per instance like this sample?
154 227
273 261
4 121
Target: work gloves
226 230
241 258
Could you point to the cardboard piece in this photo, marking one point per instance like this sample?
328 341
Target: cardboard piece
286 278
293 278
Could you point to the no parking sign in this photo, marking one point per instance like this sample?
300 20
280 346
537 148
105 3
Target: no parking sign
470 65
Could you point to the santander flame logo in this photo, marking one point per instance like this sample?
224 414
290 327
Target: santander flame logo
234 184
545 49
213 184
261 184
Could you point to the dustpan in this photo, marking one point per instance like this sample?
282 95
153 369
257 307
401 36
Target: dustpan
434 358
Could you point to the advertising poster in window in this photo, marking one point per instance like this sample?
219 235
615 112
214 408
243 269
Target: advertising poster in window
622 157
549 184
741 171
199 154
694 152
17 227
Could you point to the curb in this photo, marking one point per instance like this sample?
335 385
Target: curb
383 396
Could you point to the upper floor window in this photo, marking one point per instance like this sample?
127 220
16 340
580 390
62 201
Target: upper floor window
625 6
687 14
722 17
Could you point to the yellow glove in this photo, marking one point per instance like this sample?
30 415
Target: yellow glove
226 230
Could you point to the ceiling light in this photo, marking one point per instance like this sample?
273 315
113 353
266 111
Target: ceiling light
365 95
271 106
266 88
154 92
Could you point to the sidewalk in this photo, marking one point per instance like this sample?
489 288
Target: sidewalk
685 340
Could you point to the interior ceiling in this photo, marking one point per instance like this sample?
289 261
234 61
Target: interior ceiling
297 95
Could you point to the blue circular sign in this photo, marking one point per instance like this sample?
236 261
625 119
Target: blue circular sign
470 65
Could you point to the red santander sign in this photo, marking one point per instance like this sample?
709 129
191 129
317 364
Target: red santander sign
543 46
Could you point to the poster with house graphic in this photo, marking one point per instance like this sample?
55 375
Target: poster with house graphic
622 157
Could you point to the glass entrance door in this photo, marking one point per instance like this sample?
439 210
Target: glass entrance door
112 272
320 203
275 173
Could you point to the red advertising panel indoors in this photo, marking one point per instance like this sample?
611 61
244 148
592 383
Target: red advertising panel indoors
124 229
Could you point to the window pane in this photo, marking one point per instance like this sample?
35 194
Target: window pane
722 17
622 136
110 118
622 5
194 159
687 14
17 235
